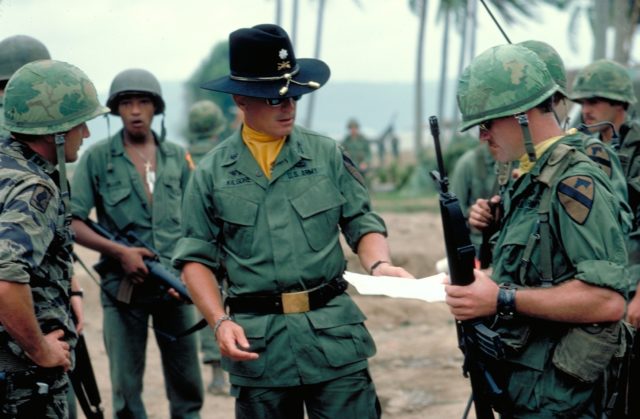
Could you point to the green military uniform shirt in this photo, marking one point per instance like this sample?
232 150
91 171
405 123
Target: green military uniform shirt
36 240
107 180
358 148
553 366
282 235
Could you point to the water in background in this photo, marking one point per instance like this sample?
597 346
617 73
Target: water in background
374 105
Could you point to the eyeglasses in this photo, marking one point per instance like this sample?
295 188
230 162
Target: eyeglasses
275 102
486 125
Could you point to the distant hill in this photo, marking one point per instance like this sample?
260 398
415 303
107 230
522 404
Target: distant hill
372 104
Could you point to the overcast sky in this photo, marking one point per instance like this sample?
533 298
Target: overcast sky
374 42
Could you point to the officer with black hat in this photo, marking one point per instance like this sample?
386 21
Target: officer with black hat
266 208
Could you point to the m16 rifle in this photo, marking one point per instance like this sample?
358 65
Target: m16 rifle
157 272
480 345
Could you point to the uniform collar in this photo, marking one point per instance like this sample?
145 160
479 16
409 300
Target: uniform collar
117 144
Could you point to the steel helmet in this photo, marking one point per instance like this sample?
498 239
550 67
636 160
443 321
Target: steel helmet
205 120
502 81
606 79
131 81
18 50
46 97
552 59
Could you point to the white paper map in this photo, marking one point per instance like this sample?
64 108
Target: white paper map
430 289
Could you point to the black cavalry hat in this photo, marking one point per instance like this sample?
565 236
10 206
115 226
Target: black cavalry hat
264 65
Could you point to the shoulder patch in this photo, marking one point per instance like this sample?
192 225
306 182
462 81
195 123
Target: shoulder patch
352 169
576 196
600 156
40 198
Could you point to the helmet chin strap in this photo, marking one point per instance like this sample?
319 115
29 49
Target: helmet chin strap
528 142
615 138
62 169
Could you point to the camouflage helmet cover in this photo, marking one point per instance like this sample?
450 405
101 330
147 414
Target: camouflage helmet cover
18 50
502 81
205 120
552 59
606 79
135 81
46 97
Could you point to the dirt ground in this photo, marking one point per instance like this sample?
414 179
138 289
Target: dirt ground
417 369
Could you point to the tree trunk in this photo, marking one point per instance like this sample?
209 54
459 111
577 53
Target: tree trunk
600 23
294 23
444 57
312 97
461 60
422 13
278 17
625 18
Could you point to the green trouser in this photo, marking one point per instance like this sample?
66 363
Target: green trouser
208 346
125 336
348 397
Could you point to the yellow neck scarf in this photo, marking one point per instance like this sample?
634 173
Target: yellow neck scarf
264 148
525 164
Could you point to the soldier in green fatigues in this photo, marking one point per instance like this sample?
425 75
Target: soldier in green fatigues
473 178
135 181
16 51
206 122
266 210
357 147
47 104
605 91
599 151
556 294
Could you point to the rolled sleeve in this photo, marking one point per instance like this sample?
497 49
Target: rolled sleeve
358 217
603 273
200 231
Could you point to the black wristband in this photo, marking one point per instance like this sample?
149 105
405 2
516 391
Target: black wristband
506 301
78 293
375 265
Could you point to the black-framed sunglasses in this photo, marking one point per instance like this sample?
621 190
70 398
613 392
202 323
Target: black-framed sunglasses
486 125
275 102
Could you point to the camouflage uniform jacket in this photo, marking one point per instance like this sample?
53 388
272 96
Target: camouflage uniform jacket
109 182
554 368
282 235
36 240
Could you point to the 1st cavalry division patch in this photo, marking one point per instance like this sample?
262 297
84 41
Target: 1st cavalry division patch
576 196
351 168
40 198
599 155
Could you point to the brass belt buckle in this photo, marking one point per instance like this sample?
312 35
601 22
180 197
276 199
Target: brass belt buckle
295 302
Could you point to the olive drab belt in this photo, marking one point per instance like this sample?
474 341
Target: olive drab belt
288 302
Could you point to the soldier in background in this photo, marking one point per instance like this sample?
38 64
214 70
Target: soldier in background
37 333
357 147
206 122
605 91
556 293
474 178
16 51
135 180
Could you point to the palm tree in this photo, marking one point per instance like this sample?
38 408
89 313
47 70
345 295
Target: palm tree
419 7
